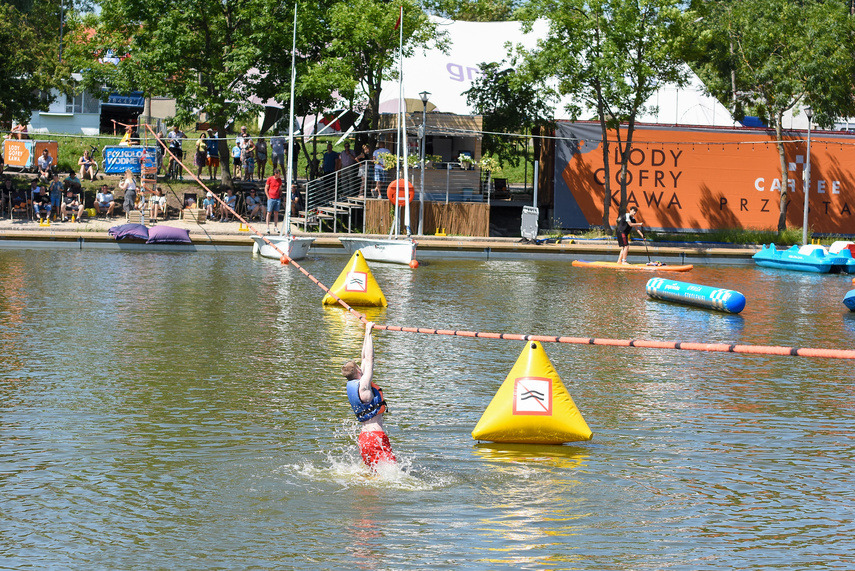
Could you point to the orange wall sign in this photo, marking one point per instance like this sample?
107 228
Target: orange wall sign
18 153
706 178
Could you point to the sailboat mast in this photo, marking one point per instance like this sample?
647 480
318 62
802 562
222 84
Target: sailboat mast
402 135
286 220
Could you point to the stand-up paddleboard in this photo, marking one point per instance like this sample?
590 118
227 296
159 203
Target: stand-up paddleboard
642 267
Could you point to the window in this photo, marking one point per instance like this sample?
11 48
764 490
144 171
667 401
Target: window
82 102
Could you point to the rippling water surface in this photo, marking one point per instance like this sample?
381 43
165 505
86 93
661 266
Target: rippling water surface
183 411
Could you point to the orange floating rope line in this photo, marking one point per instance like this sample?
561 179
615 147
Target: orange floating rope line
639 343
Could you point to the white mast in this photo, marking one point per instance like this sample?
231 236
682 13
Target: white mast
286 220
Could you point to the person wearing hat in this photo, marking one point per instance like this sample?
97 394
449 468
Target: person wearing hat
208 204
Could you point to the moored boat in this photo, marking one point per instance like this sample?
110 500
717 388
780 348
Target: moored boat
296 247
849 300
809 258
392 250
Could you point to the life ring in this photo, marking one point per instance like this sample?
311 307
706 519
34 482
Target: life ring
392 189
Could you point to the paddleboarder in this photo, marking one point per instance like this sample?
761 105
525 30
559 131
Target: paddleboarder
625 224
366 399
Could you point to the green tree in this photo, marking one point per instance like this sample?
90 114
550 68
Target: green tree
768 57
475 11
512 102
30 66
611 56
201 53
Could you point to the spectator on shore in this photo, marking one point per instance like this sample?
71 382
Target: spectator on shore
363 159
45 165
19 131
71 203
41 201
248 156
7 189
296 200
381 156
158 205
72 182
236 160
277 152
174 137
129 186
273 191
254 206
88 166
201 158
18 199
208 204
213 151
331 159
56 191
135 136
104 203
230 199
261 157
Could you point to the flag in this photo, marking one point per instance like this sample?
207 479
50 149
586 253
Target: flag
400 15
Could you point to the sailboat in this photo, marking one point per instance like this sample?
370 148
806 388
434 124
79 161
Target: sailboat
394 249
295 247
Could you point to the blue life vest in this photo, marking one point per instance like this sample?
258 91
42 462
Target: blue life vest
365 410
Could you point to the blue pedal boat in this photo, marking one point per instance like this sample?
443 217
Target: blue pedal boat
849 300
808 258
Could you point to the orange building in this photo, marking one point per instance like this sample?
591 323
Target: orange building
705 178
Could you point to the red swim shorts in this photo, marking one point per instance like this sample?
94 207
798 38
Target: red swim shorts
375 447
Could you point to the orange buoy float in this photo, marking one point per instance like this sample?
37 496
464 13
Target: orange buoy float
285 260
402 197
414 264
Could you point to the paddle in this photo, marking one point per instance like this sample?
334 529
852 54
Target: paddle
649 261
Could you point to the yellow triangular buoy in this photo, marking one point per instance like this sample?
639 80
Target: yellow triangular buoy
532 406
356 285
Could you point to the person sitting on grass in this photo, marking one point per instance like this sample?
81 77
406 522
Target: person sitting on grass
45 165
71 204
104 203
72 182
209 204
230 200
87 166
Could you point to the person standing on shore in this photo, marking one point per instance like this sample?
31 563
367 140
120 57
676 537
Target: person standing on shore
625 224
366 399
273 190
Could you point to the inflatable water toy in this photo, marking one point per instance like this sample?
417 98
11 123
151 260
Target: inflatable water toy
639 267
849 300
698 295
808 258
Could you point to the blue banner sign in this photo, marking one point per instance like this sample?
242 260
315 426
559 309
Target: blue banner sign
133 99
119 159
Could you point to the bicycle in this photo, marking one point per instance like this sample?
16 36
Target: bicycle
174 169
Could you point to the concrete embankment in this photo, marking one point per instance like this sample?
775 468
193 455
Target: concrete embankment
217 236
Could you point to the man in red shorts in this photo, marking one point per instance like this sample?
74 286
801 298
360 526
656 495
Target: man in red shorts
366 398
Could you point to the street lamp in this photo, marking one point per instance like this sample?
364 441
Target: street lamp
425 95
809 113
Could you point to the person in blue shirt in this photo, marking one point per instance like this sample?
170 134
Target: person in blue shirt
213 155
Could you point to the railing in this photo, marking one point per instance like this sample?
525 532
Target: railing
326 196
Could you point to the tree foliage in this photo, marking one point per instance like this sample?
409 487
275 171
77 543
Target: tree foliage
30 66
512 102
475 11
767 57
611 56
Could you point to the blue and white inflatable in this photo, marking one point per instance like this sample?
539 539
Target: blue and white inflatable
698 295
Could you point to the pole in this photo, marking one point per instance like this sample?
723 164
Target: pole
809 113
422 133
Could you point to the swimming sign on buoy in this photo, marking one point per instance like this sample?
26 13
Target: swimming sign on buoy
532 406
400 192
356 285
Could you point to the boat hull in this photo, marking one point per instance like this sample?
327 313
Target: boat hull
849 300
630 267
296 247
389 250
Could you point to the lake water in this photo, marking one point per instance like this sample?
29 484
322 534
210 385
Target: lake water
184 411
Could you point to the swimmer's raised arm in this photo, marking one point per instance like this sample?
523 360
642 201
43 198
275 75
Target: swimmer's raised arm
367 365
